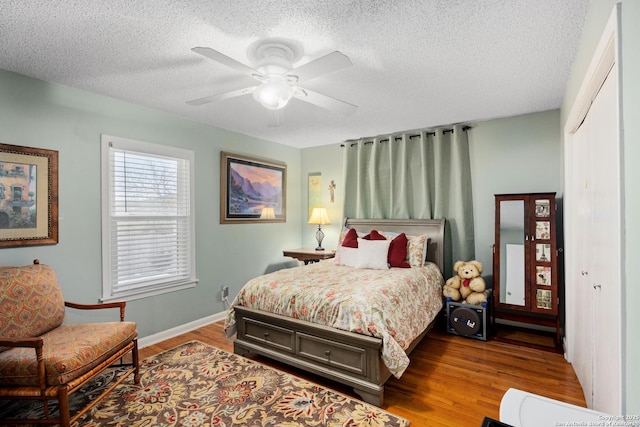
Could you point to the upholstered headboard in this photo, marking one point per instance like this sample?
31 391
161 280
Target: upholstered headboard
433 228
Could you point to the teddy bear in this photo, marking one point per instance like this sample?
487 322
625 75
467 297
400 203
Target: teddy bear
467 285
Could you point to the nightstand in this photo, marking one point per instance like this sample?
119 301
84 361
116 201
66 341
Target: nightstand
309 254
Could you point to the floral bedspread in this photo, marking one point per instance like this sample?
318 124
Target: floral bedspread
395 305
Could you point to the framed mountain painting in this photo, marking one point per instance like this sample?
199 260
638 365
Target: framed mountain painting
252 189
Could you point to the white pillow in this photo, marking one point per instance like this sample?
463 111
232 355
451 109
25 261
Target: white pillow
373 254
346 256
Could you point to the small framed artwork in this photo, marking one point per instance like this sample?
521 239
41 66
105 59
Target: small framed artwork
252 189
315 191
28 196
542 208
543 252
543 299
543 230
543 275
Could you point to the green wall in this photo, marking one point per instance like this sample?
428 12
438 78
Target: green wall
519 154
595 21
39 114
327 160
511 155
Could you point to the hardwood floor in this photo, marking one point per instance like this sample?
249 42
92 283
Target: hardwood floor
452 381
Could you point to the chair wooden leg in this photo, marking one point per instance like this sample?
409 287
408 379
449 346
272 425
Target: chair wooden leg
45 407
136 373
63 399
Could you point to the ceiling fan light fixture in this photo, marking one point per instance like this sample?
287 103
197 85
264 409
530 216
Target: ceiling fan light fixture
273 94
273 61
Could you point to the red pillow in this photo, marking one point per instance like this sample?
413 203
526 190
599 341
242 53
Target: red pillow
398 252
397 248
374 235
350 239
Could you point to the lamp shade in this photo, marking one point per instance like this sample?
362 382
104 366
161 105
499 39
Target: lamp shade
319 216
267 213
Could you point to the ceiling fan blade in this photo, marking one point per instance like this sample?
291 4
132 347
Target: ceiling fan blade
275 117
222 96
325 64
326 102
228 61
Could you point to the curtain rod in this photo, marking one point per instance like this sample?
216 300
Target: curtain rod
399 138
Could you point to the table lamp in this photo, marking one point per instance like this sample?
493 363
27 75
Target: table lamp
319 216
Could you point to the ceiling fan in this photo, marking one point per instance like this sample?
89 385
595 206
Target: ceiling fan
278 80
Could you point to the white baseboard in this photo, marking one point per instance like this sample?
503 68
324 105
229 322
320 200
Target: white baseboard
179 330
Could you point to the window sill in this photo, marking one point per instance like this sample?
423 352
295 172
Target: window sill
130 296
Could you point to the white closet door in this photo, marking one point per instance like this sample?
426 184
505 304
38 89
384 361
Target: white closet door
605 263
580 290
593 218
596 290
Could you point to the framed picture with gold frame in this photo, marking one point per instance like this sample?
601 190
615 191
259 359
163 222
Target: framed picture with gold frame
28 196
315 191
252 189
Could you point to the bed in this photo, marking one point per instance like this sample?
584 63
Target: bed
361 348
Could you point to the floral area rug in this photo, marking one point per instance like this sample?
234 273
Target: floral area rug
196 385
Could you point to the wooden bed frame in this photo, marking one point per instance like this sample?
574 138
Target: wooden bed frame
346 357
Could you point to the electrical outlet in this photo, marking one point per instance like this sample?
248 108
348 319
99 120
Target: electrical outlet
225 292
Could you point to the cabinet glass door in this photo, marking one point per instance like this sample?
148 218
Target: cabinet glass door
512 252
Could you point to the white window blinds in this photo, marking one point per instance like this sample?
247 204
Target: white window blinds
148 243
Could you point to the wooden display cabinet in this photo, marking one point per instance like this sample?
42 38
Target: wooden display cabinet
525 262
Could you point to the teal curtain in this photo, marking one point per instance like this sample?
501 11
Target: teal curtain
421 175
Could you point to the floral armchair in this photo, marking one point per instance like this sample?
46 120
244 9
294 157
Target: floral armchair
43 359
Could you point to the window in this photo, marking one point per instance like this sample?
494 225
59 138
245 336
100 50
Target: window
17 192
148 221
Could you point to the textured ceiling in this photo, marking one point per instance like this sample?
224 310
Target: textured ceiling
415 63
